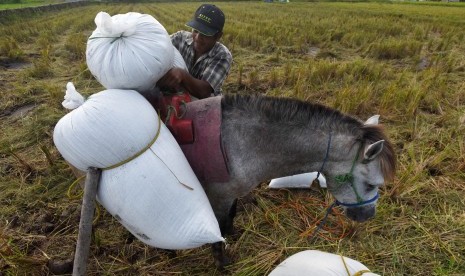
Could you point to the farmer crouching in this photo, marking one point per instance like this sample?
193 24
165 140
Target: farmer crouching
208 61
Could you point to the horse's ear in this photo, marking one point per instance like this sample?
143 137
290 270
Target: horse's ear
373 120
373 150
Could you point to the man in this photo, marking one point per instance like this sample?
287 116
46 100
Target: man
208 61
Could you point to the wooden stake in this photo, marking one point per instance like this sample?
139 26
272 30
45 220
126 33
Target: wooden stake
85 224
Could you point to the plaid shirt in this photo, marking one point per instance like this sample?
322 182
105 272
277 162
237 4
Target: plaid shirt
212 67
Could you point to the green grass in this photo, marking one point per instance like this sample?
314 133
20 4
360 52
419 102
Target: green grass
404 61
7 5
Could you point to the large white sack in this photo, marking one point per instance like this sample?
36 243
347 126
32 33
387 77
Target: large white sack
105 129
318 263
129 51
178 61
156 196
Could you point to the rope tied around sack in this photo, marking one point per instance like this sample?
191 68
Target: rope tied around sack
358 273
145 149
138 153
115 38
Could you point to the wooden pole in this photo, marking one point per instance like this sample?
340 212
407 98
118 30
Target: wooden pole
85 224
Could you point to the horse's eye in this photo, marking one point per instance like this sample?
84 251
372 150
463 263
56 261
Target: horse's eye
370 187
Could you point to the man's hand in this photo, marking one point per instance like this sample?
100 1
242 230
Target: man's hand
173 79
177 79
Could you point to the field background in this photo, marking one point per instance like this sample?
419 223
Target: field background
18 4
404 61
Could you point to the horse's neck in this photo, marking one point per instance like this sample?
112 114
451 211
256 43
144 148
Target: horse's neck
270 150
306 149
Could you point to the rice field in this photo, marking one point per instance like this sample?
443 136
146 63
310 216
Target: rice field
404 61
19 4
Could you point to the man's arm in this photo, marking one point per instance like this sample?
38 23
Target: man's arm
179 79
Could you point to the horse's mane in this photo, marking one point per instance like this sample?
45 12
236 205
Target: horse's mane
280 110
313 115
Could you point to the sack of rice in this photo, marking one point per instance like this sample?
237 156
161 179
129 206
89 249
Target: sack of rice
178 61
129 51
146 183
315 262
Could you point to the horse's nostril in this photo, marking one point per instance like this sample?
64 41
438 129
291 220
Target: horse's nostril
360 214
370 188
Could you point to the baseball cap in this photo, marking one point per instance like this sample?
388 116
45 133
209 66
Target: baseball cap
208 20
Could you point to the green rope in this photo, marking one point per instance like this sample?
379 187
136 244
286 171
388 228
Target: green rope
349 177
343 178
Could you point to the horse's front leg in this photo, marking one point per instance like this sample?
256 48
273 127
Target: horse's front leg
220 256
227 225
225 213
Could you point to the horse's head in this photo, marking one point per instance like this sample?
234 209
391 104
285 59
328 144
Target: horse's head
355 182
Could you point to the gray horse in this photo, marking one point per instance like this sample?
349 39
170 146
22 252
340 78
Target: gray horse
267 137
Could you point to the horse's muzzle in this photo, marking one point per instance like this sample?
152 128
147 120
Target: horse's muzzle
362 213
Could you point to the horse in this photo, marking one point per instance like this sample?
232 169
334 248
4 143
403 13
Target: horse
268 137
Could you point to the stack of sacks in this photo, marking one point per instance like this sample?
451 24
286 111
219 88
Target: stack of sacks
314 262
130 51
146 183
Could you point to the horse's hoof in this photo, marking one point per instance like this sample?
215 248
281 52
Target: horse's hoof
235 234
222 263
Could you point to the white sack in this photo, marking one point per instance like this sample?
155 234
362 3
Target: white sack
318 263
129 51
72 98
145 194
303 180
106 129
178 60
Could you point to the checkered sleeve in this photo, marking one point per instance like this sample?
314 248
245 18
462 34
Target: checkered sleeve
176 39
217 71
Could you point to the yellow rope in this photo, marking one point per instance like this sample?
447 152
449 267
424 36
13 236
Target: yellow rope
345 265
97 214
358 273
140 152
97 208
68 193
